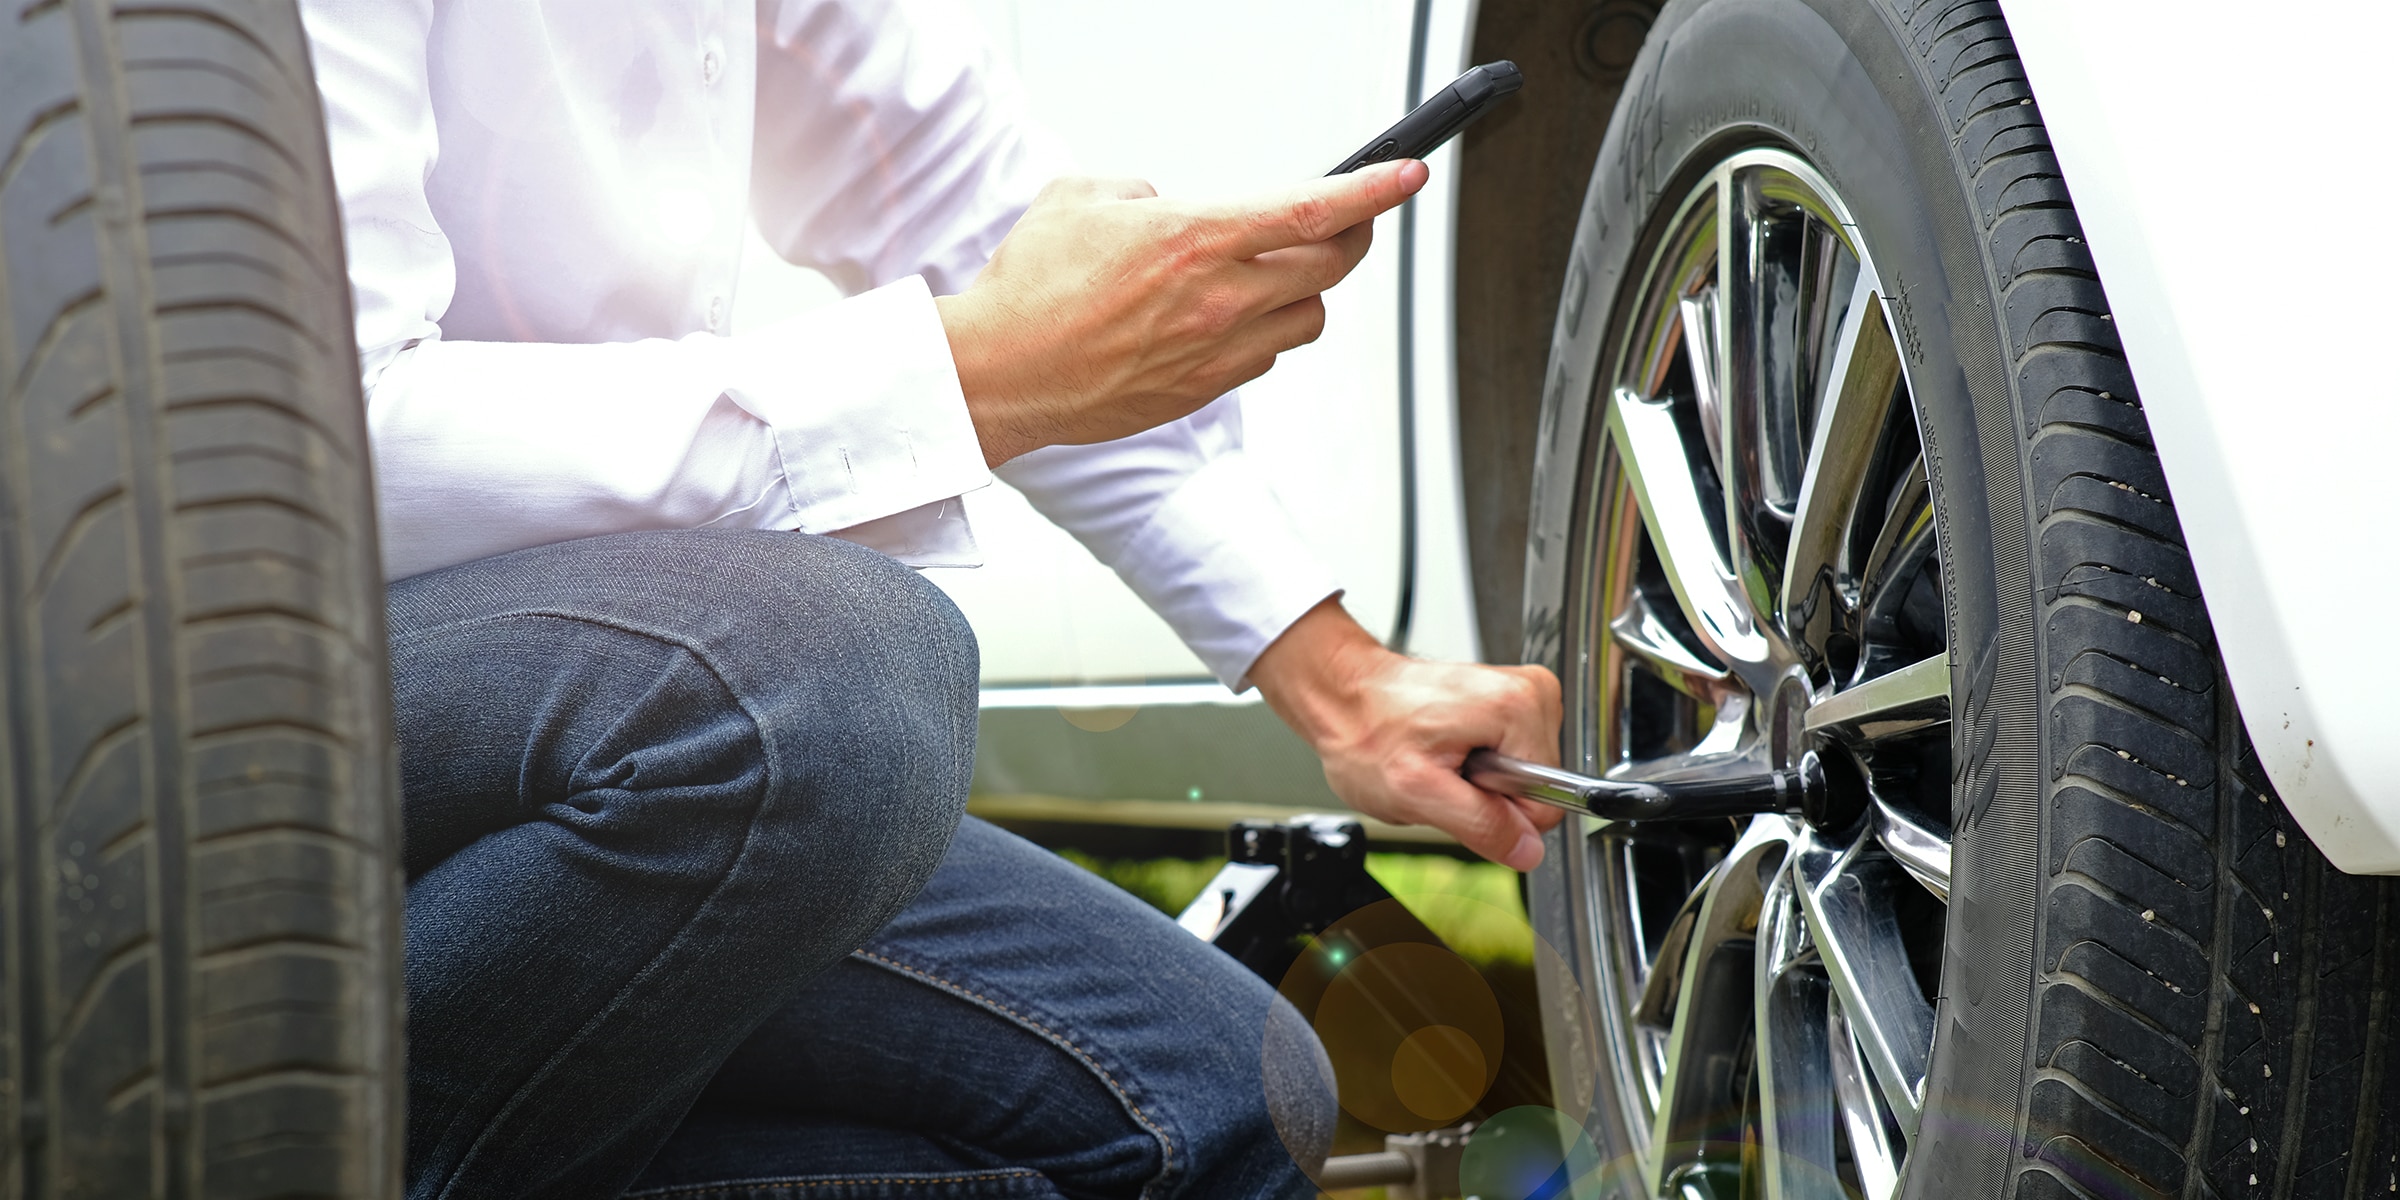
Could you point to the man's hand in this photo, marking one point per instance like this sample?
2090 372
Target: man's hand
1393 730
1107 311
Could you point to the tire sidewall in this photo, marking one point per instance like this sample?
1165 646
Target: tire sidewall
1839 84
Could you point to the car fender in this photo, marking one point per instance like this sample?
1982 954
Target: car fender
2228 176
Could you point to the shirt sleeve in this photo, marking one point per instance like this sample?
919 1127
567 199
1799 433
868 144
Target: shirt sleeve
1185 517
845 418
888 143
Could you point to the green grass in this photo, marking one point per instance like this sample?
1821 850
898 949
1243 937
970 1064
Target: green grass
1166 884
1475 906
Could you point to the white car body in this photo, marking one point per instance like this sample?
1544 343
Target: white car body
2201 152
2198 151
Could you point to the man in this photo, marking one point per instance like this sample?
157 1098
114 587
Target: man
683 743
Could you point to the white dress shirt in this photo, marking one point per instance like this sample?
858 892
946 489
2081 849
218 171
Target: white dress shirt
544 202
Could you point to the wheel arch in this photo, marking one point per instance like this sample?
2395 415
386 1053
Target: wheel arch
2260 486
1517 213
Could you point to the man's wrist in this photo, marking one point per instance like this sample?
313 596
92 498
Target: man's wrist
1314 674
971 357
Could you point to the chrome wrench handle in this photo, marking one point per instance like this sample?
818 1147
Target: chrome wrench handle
1740 792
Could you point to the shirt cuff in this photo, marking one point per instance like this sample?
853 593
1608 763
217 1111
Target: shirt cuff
1223 563
932 535
864 401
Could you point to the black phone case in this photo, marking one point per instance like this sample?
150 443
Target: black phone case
1440 118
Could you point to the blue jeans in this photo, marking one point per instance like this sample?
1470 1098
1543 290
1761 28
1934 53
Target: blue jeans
685 912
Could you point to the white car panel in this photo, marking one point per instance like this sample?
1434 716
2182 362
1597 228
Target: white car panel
1442 620
2229 173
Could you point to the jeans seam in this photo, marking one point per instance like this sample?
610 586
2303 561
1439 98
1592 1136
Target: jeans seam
729 1186
766 795
1124 1095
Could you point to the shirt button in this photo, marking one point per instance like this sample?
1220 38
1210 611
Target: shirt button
712 64
716 314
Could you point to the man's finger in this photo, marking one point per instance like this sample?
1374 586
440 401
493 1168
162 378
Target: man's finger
1294 324
1543 816
1485 822
1250 351
1297 271
1321 208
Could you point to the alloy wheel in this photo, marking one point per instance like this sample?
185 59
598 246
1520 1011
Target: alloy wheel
1757 577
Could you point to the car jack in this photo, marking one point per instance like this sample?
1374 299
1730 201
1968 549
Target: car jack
1282 883
1411 1166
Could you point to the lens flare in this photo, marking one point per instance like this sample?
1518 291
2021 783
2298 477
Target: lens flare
1530 1153
1415 1035
1411 1016
1432 1069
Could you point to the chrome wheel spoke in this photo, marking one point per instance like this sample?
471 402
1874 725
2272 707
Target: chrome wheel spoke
1795 1109
1744 379
1663 987
1796 1130
1698 314
1645 636
1872 1148
1865 376
1912 698
1846 897
1906 537
1713 1007
1921 850
1658 469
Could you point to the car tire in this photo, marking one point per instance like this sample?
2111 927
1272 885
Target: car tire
2150 983
201 988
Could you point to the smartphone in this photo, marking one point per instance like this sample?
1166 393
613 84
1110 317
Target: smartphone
1430 124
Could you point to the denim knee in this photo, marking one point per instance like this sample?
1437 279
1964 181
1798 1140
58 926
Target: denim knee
926 652
856 677
1297 1077
891 653
1269 1134
862 680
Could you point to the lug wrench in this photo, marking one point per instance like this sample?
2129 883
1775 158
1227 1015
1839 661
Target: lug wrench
1740 790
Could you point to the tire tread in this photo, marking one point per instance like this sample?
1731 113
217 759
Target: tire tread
2171 857
201 925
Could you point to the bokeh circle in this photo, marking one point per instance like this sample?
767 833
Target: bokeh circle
1530 1153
